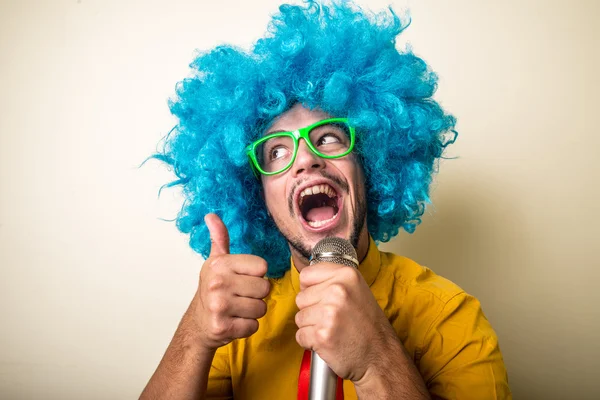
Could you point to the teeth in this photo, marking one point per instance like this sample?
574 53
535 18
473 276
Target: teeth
326 189
316 224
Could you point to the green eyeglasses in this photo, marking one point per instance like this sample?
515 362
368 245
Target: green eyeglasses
276 152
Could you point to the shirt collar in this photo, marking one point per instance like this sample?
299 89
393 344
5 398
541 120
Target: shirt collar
369 266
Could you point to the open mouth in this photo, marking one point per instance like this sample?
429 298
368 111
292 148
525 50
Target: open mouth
318 205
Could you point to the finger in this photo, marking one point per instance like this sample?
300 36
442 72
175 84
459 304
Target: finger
318 273
319 293
323 316
245 307
311 295
250 286
243 327
307 338
248 264
318 340
219 236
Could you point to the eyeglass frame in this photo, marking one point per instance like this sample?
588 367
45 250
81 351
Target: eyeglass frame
296 135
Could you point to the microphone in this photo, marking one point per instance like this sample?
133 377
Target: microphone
323 381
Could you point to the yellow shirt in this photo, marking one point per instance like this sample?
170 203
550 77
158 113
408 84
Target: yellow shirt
443 329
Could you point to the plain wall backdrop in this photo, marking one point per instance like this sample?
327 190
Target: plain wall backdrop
93 282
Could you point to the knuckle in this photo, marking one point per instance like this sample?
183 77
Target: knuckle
262 308
322 336
304 275
261 266
351 275
298 319
300 337
215 283
266 288
252 265
258 309
339 291
249 328
330 313
220 328
299 299
217 305
215 262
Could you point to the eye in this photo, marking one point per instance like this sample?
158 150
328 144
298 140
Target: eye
276 149
278 152
328 138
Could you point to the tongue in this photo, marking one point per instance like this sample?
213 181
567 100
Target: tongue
320 213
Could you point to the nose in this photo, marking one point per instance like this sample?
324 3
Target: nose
306 161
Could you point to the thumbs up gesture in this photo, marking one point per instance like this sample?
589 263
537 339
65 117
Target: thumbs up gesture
230 292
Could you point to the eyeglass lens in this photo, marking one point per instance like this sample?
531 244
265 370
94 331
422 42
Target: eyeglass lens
329 139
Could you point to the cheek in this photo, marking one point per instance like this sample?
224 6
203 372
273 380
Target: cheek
353 172
356 181
360 183
269 201
274 194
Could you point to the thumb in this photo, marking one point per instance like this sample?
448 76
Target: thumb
219 236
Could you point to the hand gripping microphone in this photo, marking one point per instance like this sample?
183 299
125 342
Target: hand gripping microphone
323 380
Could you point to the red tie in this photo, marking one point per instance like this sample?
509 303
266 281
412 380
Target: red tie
304 380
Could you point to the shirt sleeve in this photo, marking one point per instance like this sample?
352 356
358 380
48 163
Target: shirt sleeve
460 357
219 378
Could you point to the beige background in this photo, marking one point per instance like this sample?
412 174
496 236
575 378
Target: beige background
93 283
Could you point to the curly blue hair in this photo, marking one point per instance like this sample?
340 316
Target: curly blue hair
336 57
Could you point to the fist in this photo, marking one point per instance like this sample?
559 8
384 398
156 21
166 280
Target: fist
340 319
229 300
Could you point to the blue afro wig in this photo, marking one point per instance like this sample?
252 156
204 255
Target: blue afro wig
338 58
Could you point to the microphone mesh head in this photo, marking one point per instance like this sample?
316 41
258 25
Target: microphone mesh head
334 250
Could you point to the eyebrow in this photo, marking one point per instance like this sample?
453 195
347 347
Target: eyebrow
276 131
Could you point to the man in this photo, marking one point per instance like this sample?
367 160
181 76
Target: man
342 136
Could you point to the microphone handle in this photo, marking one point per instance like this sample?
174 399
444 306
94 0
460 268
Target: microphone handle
323 381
